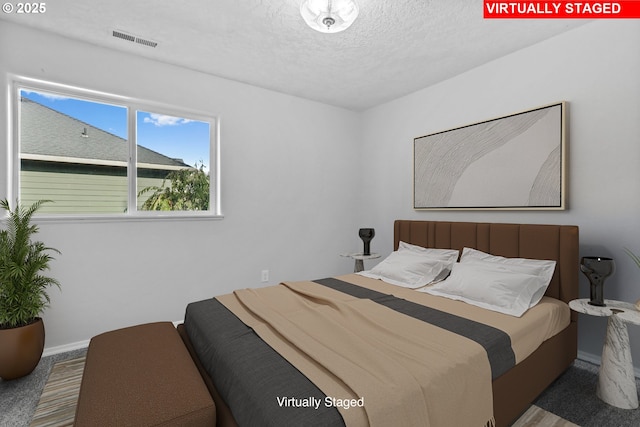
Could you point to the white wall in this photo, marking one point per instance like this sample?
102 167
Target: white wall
294 198
596 68
288 194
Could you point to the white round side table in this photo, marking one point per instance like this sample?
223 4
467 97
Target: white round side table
616 378
360 257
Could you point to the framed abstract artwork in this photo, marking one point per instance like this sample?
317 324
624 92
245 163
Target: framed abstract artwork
512 162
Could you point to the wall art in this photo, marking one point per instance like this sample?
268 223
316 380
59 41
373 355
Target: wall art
512 162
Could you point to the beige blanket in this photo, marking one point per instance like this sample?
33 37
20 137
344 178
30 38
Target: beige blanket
377 366
545 320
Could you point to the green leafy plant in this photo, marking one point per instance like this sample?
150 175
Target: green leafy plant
181 190
23 289
633 256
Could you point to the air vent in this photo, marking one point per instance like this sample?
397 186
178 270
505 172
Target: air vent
131 38
146 42
124 36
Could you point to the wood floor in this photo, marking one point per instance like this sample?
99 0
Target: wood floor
539 417
57 405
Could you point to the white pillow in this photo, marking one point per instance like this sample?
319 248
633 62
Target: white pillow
414 266
542 268
506 285
431 252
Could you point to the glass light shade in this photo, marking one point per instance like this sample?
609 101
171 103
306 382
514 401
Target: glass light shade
329 16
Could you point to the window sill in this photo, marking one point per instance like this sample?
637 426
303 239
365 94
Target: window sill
101 218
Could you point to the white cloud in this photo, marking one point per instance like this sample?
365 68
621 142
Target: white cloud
162 120
51 96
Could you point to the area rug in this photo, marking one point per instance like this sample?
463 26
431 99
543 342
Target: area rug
573 397
57 404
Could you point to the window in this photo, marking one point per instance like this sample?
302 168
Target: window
98 154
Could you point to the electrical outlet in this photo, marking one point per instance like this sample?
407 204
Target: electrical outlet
265 276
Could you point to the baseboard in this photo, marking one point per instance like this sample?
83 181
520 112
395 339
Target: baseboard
588 357
592 358
49 351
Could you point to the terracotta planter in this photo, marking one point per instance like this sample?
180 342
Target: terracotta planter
21 349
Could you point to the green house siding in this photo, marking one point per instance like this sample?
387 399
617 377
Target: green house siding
80 188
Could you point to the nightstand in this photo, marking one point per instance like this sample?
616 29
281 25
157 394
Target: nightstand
616 378
360 257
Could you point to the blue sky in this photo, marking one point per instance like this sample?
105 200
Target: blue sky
172 136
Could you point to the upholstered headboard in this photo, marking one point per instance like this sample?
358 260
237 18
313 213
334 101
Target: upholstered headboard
537 241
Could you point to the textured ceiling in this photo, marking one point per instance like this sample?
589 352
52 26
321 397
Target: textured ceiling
394 48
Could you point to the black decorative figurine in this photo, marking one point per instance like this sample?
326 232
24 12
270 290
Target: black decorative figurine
366 234
597 269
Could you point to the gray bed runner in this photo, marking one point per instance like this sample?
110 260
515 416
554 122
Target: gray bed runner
252 378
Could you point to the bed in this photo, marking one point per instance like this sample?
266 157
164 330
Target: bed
513 384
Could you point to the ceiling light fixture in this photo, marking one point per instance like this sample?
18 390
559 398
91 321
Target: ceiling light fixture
329 16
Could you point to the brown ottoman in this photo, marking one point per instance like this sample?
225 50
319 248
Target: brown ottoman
142 376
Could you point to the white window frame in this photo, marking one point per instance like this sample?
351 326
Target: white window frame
18 83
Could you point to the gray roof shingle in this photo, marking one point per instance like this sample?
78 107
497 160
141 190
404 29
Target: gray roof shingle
47 132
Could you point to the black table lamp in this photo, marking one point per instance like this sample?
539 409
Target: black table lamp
366 234
597 269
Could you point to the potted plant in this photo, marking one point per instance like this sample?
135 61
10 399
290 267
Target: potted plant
23 291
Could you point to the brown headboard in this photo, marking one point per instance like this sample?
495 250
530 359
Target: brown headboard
537 241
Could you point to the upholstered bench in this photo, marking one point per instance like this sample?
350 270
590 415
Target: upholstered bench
142 376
